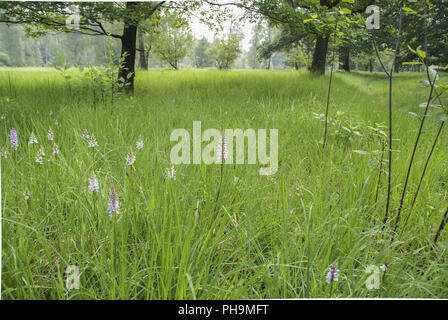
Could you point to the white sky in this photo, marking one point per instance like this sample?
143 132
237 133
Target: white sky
200 30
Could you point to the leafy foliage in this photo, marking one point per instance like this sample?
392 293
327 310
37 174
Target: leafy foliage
225 51
172 39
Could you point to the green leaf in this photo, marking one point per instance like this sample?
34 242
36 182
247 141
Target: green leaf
407 63
345 10
407 9
412 50
421 53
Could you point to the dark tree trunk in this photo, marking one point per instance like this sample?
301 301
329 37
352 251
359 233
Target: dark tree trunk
321 48
370 65
143 53
397 66
128 46
344 59
319 56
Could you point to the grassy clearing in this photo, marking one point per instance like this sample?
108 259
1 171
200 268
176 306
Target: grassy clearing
262 238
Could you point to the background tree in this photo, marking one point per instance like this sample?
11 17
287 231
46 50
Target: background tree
225 51
251 57
13 46
291 16
172 40
261 45
285 40
298 58
426 23
41 17
145 37
199 57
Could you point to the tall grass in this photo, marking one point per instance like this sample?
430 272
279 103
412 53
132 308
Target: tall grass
175 238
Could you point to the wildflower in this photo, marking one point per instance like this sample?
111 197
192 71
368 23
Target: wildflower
93 183
92 142
384 267
50 134
4 153
171 173
39 156
56 122
85 134
222 149
3 117
113 205
130 158
13 139
333 273
55 149
32 139
26 194
140 143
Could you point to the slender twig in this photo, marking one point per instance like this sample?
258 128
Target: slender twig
425 167
378 54
417 140
442 225
390 76
426 164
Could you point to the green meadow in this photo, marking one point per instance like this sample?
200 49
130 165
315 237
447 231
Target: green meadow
219 232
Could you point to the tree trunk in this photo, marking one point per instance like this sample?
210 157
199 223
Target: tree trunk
143 54
370 65
128 46
321 48
397 66
268 64
319 56
344 59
